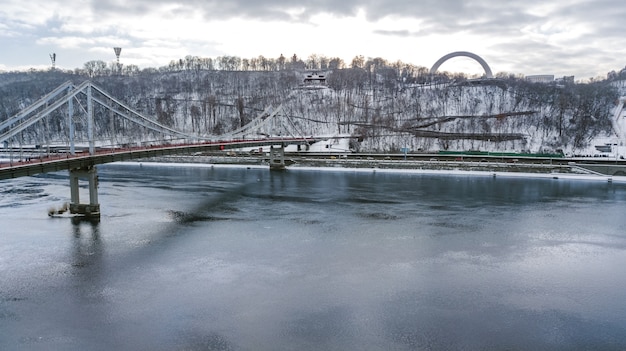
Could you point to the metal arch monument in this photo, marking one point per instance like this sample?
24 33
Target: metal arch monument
479 59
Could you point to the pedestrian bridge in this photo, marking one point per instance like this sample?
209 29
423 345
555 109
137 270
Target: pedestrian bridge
55 162
76 128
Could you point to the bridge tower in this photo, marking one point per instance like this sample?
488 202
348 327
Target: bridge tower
92 209
90 173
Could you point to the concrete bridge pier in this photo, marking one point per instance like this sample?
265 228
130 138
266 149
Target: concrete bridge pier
277 158
92 209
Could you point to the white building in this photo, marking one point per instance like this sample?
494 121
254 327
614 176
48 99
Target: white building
541 78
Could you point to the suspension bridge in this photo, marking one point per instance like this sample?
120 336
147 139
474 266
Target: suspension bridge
77 127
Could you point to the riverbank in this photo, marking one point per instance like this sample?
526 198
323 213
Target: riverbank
433 166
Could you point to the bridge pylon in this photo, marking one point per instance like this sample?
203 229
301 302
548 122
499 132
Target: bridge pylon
92 209
277 158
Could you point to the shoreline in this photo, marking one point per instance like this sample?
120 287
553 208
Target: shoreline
484 169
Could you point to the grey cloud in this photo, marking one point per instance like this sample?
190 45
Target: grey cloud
530 57
504 22
216 9
396 33
436 10
443 16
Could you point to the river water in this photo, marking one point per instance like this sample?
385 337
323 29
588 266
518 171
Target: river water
200 258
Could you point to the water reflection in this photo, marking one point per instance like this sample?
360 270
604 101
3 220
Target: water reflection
88 249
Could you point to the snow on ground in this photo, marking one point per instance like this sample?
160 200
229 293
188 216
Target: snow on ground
554 176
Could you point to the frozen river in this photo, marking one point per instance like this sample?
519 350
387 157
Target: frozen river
192 258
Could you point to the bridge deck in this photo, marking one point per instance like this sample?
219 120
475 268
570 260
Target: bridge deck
66 161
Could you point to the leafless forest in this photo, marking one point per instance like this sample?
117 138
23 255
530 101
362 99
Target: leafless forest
387 106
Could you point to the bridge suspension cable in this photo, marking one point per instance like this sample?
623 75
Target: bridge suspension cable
137 117
64 95
268 124
90 99
37 104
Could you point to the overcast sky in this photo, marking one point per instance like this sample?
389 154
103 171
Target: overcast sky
584 38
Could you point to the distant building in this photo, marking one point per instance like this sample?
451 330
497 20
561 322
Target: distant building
315 78
565 80
541 78
612 75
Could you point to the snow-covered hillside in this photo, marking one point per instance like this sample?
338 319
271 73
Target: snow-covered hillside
382 110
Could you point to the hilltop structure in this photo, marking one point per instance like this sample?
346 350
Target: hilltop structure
479 59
